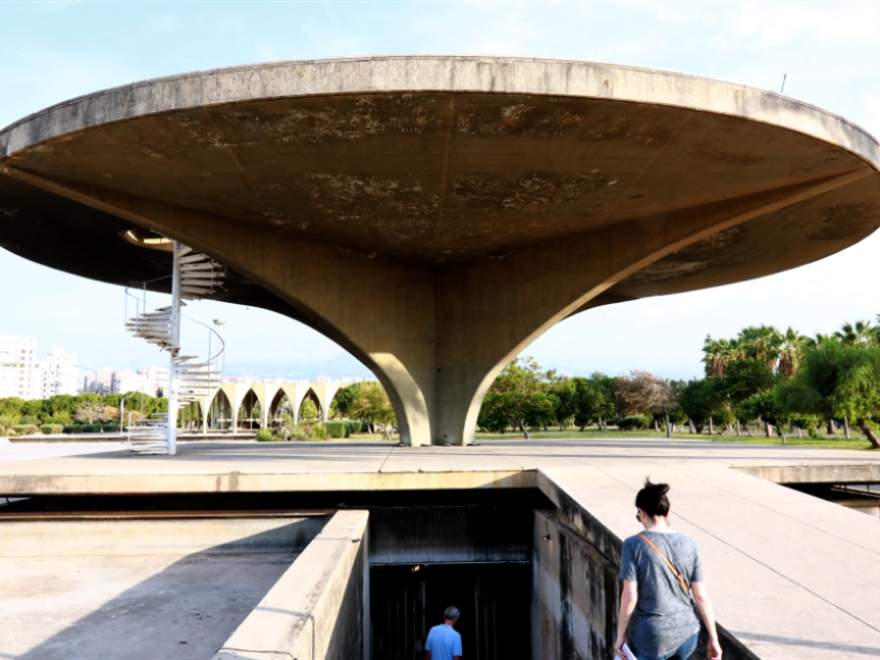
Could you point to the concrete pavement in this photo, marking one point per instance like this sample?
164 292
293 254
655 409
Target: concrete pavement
793 576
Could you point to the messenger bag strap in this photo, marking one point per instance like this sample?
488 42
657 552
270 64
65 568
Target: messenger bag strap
682 582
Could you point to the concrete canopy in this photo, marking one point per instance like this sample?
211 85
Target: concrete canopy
434 215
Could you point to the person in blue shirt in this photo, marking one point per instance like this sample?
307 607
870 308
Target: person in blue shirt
444 641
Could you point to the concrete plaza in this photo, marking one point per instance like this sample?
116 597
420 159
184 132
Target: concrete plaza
793 576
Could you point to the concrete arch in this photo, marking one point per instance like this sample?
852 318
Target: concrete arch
267 393
220 409
278 395
195 411
333 393
249 400
311 395
289 391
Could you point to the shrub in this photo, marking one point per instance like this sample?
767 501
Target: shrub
265 435
7 422
310 432
633 422
25 429
111 427
355 427
338 429
51 429
83 428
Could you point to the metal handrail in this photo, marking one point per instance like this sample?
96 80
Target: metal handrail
143 304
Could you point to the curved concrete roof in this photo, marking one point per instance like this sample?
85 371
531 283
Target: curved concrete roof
443 159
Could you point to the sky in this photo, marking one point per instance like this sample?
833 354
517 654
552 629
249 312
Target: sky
828 52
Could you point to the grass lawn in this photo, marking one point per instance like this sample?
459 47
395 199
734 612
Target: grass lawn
613 434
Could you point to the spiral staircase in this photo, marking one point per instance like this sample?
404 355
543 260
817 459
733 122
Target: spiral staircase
191 378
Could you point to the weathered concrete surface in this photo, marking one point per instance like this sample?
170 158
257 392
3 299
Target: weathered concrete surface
341 465
813 474
137 589
574 594
318 608
449 534
468 203
775 558
15 451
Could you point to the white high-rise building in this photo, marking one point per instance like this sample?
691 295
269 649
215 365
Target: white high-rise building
99 381
19 372
149 380
59 373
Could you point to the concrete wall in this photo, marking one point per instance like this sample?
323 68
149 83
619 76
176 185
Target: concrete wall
575 584
574 594
449 534
318 609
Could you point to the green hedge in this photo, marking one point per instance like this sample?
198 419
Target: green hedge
265 435
310 432
634 422
52 429
25 429
338 429
354 427
83 428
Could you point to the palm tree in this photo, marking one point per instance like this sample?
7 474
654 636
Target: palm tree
762 343
860 333
791 350
718 354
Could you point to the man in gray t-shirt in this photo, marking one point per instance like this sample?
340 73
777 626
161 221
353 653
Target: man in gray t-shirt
664 616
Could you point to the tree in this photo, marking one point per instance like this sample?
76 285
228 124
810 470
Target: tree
373 407
344 401
606 386
517 398
91 408
563 392
701 399
845 381
762 343
308 411
719 354
11 408
745 378
791 352
589 401
860 333
765 404
641 392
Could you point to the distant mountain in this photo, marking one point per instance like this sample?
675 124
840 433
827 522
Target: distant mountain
341 366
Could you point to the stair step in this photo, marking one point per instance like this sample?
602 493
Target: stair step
195 258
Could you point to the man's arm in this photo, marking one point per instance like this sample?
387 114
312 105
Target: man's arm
629 595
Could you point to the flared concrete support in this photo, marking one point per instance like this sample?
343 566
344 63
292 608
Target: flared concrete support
489 311
436 336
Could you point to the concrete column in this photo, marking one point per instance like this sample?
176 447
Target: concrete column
436 335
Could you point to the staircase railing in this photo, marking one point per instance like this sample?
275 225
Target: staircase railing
191 379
